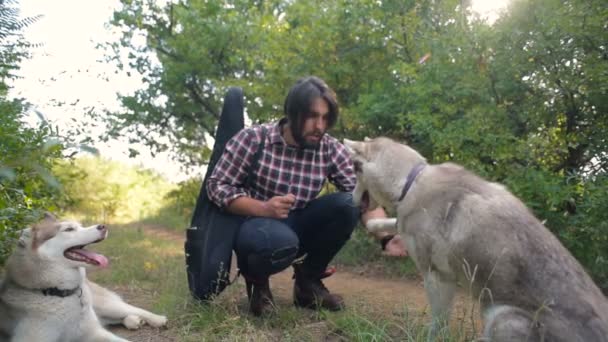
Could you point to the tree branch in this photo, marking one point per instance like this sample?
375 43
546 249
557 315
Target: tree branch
197 98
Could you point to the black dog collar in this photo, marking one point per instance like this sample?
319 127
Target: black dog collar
410 179
53 291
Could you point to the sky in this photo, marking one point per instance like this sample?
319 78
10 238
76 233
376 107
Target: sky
489 8
67 66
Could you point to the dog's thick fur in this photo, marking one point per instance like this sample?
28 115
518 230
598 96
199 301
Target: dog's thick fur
45 295
461 229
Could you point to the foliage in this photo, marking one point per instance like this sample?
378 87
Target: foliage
100 190
179 204
591 237
26 186
522 101
26 153
13 47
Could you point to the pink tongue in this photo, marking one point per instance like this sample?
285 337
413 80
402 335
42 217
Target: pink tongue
102 260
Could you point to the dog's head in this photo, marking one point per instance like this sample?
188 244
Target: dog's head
63 242
381 166
360 153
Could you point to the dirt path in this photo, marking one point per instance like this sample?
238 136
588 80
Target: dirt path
375 290
381 295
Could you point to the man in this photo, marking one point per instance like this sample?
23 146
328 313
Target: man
285 220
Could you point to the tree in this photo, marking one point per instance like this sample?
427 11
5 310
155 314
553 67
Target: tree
522 101
193 51
26 154
553 61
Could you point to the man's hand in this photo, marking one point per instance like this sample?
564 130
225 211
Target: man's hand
377 224
279 206
395 247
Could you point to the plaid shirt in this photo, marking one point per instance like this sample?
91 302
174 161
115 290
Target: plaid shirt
282 169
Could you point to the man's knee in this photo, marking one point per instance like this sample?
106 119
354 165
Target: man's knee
266 263
266 247
347 214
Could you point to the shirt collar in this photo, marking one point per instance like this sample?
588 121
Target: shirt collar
275 132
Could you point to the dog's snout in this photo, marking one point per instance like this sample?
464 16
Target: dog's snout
101 227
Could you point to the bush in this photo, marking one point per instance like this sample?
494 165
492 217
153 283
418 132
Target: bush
101 190
575 210
179 205
26 186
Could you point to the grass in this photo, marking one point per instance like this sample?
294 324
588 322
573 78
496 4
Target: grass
152 268
171 217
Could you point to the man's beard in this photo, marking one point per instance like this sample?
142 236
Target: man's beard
301 140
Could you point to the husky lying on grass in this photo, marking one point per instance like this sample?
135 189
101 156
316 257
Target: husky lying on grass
459 228
46 297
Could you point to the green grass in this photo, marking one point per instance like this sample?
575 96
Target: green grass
152 269
172 217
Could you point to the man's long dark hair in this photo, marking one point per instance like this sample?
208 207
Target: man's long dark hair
300 98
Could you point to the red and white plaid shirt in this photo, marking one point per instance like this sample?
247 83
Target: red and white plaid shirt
282 168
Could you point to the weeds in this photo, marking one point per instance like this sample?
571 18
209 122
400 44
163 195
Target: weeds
152 270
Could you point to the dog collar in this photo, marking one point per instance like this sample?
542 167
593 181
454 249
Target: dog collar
410 179
53 291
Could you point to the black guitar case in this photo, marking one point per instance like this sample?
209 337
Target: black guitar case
210 238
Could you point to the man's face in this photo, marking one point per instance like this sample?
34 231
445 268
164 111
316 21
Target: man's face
314 124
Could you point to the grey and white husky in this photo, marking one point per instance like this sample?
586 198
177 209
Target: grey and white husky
45 295
462 229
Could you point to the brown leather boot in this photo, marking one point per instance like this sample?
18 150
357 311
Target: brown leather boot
261 302
310 292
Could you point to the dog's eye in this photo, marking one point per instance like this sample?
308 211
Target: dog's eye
70 229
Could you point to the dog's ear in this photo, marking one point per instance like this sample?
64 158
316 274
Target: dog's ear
355 148
50 217
23 237
44 230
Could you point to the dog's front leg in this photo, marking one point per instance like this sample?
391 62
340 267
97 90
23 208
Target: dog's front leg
440 294
381 224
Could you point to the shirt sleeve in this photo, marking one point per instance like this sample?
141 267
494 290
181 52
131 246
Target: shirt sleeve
342 171
227 181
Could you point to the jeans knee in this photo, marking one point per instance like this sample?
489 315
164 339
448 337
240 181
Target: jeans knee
266 264
265 247
347 213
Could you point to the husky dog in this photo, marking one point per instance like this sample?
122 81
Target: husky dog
461 229
46 297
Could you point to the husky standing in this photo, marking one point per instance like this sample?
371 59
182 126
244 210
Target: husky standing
459 228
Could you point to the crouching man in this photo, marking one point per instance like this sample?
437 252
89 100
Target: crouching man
284 218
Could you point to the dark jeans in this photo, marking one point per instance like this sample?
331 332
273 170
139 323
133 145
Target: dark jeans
266 246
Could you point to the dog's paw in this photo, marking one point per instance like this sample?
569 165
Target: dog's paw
379 224
132 322
157 321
